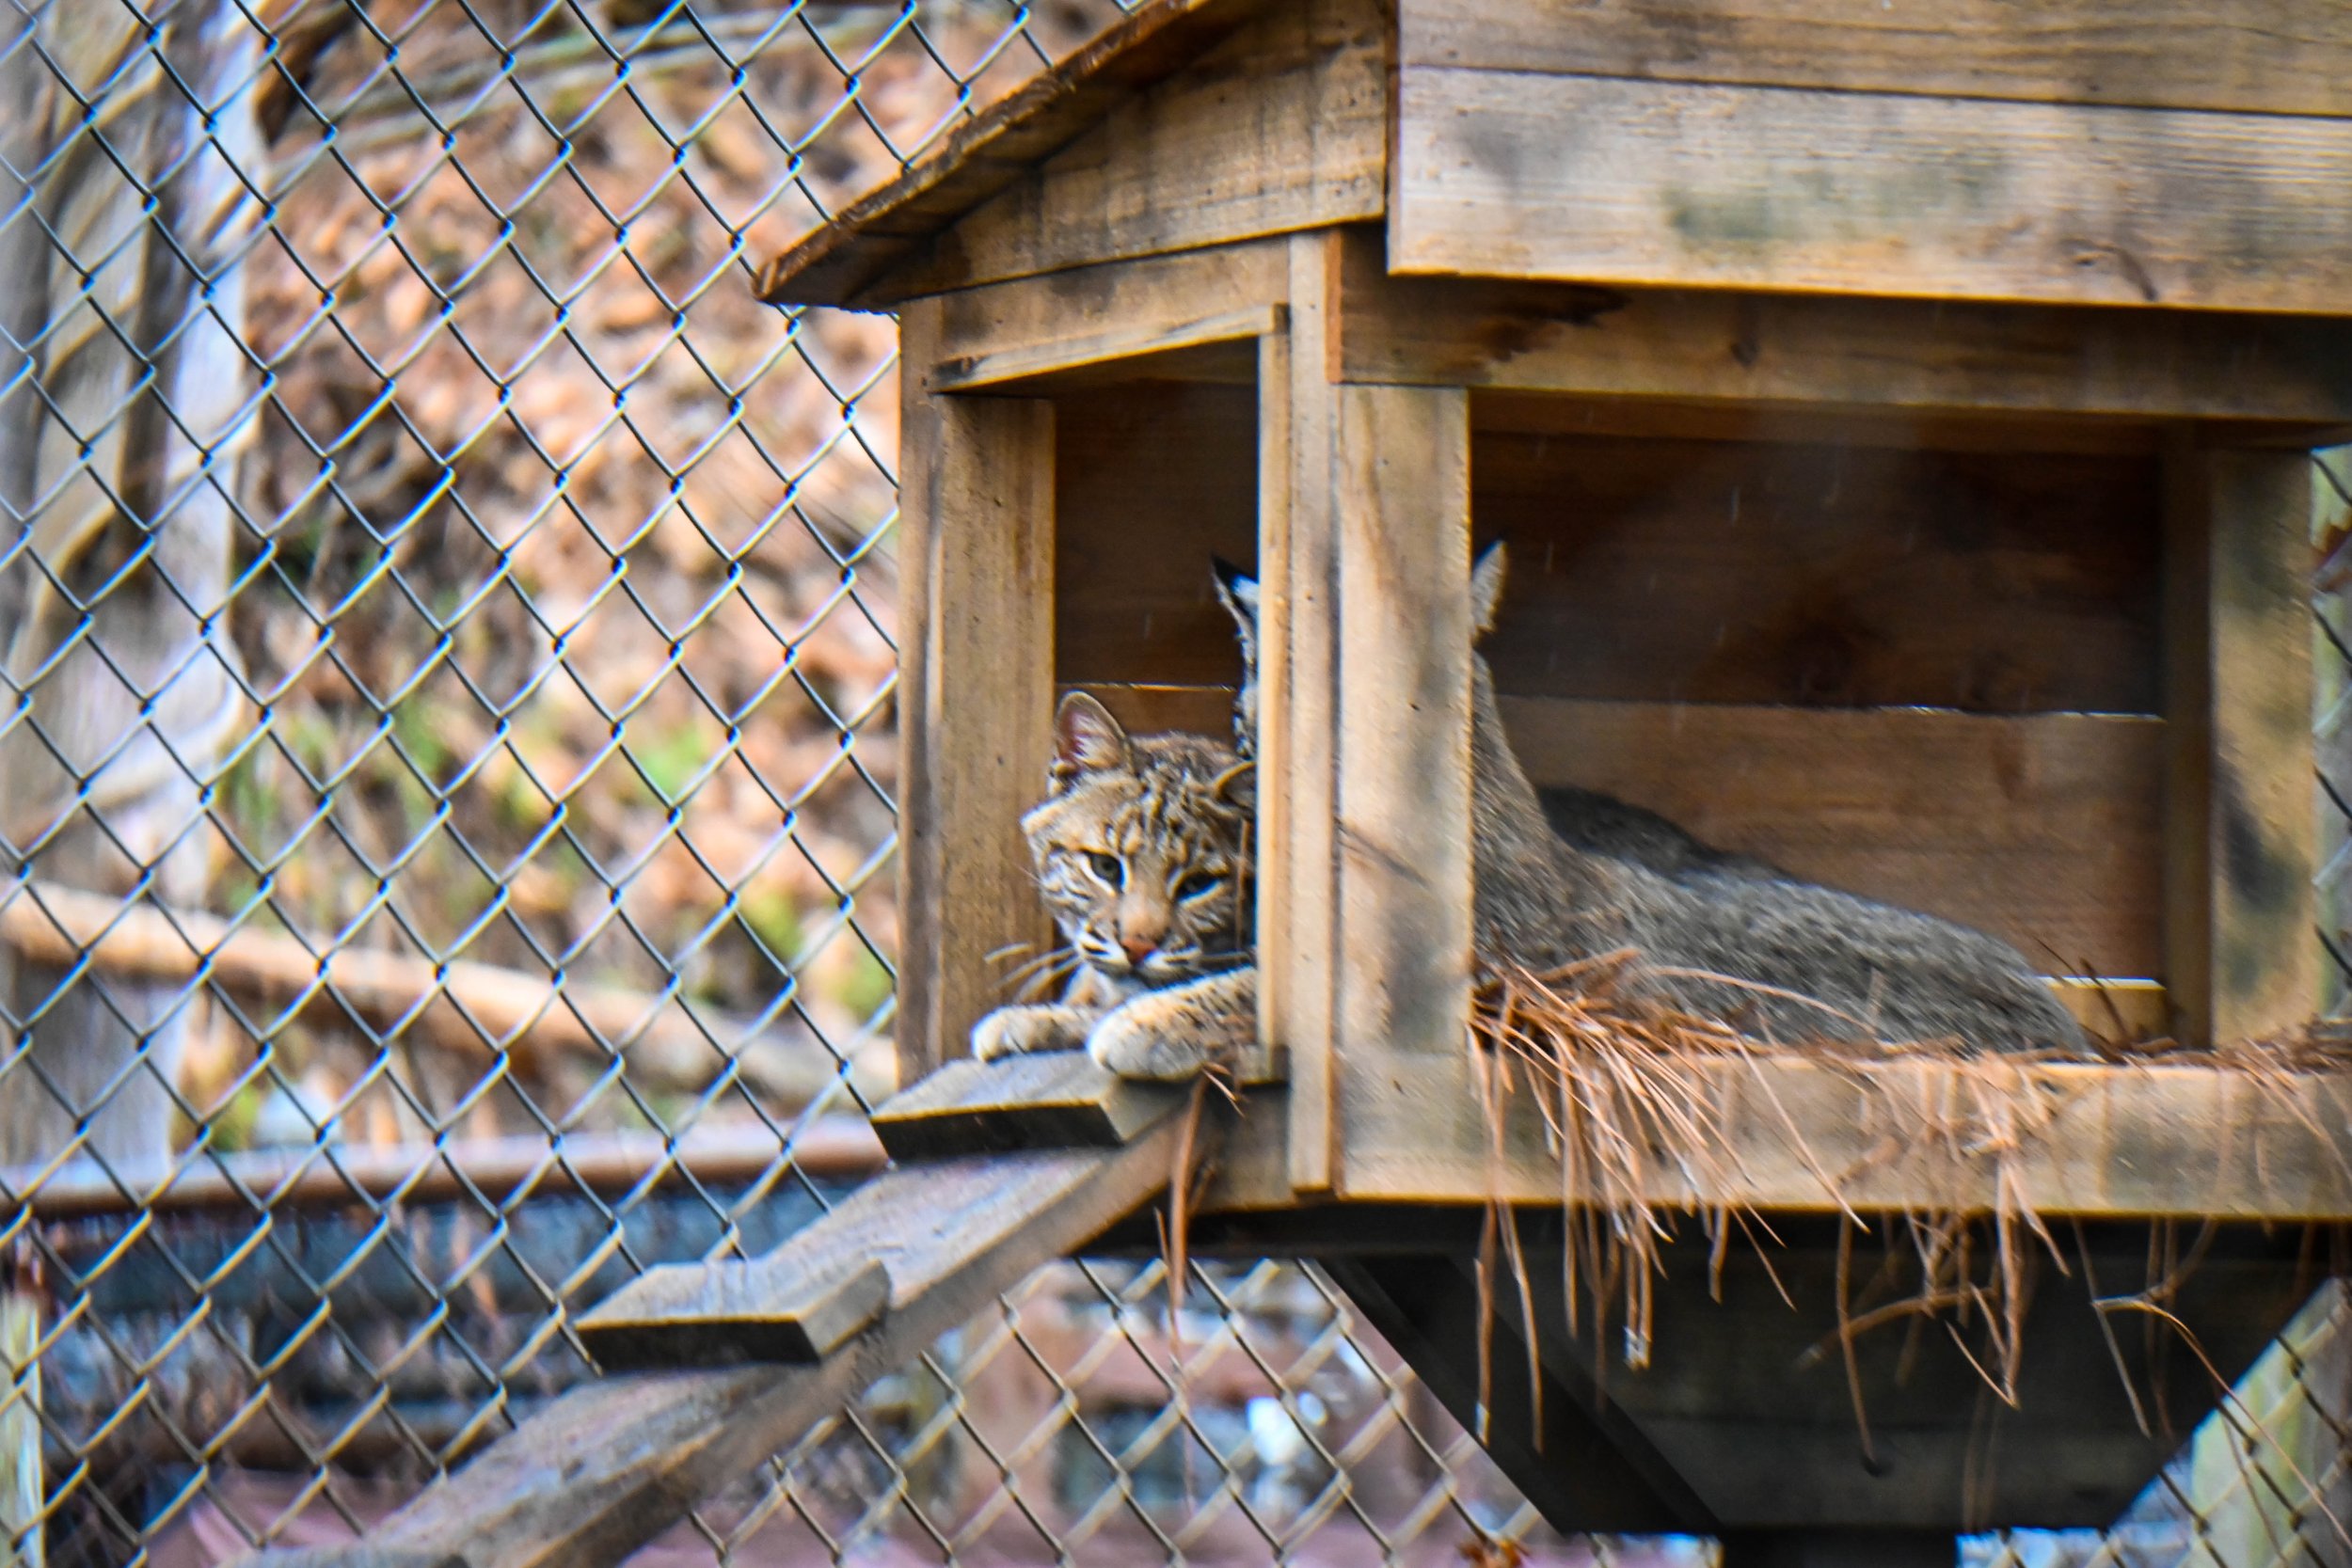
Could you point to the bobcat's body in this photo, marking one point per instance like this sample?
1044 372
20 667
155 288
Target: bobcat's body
1731 938
1567 876
1574 874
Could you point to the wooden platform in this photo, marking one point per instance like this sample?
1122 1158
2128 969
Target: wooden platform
2072 1140
1738 1422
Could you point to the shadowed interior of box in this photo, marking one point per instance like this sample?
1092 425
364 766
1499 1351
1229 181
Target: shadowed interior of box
1918 658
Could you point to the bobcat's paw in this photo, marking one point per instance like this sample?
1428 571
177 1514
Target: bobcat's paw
1149 1039
1019 1031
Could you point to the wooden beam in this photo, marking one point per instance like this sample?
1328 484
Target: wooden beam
2240 809
2241 831
1402 862
1772 571
841 262
2272 57
2044 828
1129 350
1054 1100
608 1467
1573 1467
1282 126
1739 1386
976 662
1782 349
720 1314
1148 296
1297 711
877 1252
1797 1134
1516 174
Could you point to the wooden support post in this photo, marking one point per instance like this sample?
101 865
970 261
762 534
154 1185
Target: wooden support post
1297 697
1402 862
24 1490
976 661
1363 713
1573 1467
2241 952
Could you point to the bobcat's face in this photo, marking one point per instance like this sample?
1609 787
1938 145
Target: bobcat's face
1142 850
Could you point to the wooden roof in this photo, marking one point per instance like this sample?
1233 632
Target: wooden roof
840 262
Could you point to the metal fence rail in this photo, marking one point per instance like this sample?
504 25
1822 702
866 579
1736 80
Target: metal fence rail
446 776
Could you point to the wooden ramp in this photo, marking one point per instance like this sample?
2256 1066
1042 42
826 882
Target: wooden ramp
1000 1168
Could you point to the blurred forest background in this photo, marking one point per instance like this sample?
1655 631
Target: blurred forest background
579 656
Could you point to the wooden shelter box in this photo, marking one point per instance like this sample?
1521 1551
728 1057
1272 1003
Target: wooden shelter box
1899 417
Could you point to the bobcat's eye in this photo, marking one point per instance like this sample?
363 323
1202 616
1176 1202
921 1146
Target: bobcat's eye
1195 884
1108 868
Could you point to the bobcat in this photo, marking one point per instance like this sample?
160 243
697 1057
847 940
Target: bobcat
1142 853
1583 818
1572 876
1581 874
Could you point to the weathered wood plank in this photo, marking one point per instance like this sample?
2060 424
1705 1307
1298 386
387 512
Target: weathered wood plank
1127 350
2046 829
975 695
1508 413
1513 174
1571 1465
1823 574
1149 295
1766 1431
1698 568
2125 1010
2118 1142
1298 636
1401 500
1282 126
607 1468
921 1224
720 1314
2242 839
1053 1100
1872 353
2272 57
842 261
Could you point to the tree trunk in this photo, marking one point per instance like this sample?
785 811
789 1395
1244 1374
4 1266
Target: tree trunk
125 397
123 693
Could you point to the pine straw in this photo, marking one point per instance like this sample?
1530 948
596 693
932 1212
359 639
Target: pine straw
1629 1088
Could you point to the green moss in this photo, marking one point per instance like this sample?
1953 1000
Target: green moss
864 985
768 913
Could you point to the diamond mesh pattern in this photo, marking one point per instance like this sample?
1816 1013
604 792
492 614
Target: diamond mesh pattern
445 777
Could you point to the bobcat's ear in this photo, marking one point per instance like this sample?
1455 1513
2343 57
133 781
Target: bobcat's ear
1086 739
1237 786
1486 588
1237 591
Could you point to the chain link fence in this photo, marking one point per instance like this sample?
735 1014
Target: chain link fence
446 771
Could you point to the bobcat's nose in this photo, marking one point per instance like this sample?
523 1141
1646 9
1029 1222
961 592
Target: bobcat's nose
1137 948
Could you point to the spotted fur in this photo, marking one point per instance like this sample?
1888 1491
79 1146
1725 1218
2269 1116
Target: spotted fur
1142 855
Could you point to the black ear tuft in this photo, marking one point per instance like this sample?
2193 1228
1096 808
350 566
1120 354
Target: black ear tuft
1486 587
1237 591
